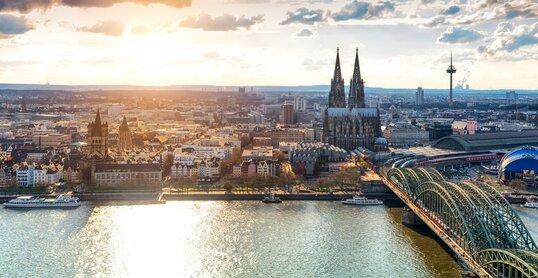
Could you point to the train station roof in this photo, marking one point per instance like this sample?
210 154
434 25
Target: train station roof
488 141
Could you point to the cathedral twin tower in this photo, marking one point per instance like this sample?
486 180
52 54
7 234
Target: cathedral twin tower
353 125
337 96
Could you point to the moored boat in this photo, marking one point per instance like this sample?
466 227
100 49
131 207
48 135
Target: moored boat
360 200
271 199
531 205
28 202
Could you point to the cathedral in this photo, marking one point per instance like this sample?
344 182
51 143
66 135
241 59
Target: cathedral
352 125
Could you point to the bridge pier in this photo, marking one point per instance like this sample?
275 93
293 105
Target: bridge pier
410 218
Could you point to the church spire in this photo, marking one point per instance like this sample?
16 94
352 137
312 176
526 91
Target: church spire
337 96
337 71
356 67
123 125
356 87
98 119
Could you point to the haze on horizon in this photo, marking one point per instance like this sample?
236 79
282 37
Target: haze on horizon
402 43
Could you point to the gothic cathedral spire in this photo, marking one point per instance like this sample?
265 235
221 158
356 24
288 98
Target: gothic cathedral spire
356 86
337 96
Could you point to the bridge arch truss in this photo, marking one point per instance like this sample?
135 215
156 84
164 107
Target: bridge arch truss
475 216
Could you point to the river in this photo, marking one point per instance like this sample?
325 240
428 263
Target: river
220 239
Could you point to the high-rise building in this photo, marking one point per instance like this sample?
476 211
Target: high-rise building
299 104
125 141
23 105
439 130
419 97
353 126
287 115
511 97
450 70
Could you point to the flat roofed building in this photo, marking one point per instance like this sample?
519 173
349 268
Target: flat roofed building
406 137
257 153
116 174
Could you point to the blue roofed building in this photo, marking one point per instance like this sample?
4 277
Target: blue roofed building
520 164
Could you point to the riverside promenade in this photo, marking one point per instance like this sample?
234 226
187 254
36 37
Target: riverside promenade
221 195
205 196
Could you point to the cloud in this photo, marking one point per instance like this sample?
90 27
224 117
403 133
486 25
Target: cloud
221 23
250 1
435 21
140 29
511 39
163 27
109 28
11 25
310 64
426 2
304 33
452 10
302 2
363 10
304 16
212 55
491 10
460 35
25 6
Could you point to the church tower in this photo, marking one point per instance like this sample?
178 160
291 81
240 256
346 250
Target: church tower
97 139
356 86
337 96
125 141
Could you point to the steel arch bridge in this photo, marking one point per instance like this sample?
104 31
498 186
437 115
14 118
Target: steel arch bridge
471 215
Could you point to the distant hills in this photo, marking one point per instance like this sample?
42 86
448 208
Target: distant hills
211 88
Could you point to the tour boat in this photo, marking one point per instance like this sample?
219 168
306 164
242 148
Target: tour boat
61 201
531 205
360 200
271 199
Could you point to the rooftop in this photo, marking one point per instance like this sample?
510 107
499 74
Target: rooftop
488 140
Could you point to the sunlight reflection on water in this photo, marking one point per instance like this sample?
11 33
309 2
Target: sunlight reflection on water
218 239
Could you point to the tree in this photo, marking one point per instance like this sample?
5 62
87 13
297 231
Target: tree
226 165
167 164
280 156
245 141
323 183
236 155
228 186
348 176
518 185
183 182
148 135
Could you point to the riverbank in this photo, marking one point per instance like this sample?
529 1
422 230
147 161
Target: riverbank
219 196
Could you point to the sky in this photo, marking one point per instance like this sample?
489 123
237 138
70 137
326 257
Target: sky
401 43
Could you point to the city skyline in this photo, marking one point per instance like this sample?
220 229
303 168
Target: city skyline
257 42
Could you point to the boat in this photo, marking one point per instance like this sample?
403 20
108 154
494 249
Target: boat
360 200
271 199
530 205
61 201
